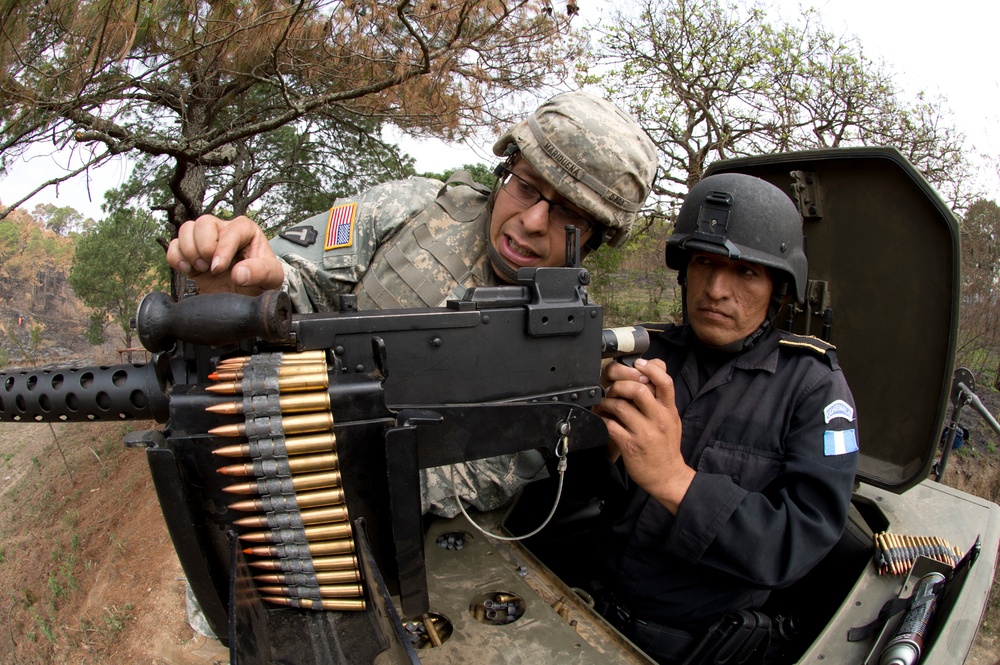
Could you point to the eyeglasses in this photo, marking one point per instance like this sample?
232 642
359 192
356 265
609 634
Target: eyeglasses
526 194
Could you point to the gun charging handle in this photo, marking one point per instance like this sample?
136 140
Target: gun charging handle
625 344
213 319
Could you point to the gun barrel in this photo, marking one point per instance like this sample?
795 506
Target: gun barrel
117 392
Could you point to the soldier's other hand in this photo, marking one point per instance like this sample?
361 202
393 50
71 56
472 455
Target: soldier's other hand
645 427
225 256
615 371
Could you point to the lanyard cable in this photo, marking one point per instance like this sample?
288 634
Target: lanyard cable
562 450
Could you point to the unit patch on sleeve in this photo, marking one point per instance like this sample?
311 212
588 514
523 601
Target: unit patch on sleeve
300 235
838 409
340 227
840 442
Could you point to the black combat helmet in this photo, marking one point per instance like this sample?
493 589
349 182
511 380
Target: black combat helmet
745 218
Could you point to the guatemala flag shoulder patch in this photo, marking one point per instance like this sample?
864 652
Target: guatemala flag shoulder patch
840 442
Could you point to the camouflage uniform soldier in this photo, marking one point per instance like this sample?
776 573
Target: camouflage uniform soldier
577 161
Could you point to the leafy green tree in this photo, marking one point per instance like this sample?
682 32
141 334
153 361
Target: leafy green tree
714 79
979 335
205 89
60 220
281 177
481 173
115 264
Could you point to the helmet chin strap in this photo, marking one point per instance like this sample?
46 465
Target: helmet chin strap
500 267
740 345
752 338
509 274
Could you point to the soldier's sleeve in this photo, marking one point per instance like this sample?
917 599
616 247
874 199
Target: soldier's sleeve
327 255
483 484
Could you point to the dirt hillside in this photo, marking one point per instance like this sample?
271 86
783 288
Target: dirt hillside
86 567
87 571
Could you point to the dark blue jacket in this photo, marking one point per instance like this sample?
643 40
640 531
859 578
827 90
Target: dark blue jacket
773 437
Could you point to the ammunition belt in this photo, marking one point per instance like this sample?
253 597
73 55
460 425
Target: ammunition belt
895 553
297 531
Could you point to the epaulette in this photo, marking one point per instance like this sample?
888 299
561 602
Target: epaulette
809 342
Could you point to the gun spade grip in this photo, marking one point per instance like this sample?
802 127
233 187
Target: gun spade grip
214 319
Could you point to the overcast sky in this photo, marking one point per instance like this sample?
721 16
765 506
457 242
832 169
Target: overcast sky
946 49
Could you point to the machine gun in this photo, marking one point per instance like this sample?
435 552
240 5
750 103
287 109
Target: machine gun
504 369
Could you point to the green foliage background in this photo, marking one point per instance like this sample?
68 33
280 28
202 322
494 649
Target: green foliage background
115 265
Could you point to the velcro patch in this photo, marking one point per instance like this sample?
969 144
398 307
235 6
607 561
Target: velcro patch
340 227
840 442
300 235
838 409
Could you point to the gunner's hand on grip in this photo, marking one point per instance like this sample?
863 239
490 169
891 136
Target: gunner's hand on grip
225 256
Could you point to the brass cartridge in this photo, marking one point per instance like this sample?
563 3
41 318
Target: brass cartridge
303 500
342 562
341 604
290 403
284 370
296 464
324 442
325 590
319 548
288 384
307 517
319 421
317 355
306 481
321 577
311 533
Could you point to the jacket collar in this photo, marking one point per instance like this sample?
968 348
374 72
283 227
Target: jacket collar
762 356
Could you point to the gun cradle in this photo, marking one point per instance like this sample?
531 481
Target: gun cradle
505 369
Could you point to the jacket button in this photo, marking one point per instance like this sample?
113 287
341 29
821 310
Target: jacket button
736 478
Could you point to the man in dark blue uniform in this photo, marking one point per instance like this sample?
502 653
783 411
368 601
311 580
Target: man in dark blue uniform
737 442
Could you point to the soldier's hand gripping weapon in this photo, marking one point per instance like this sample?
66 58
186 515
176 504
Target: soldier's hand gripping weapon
333 415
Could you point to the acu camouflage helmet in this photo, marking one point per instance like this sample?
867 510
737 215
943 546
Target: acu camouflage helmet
592 153
745 218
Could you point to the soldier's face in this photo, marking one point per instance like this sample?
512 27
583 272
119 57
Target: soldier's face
528 223
726 300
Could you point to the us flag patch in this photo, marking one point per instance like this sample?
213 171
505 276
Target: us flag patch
340 227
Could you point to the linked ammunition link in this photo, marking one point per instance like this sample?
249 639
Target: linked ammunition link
307 547
895 553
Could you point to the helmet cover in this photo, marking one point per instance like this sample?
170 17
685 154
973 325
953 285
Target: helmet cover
592 153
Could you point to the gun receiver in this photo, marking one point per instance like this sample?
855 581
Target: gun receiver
503 370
